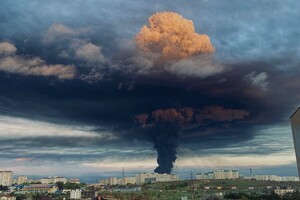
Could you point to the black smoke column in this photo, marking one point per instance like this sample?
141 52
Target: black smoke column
165 125
165 133
165 138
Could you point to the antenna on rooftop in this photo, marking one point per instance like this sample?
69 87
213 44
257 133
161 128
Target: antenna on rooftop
175 169
192 177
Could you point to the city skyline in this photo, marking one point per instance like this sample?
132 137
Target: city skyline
91 87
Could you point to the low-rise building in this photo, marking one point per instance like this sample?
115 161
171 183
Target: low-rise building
22 179
7 197
282 191
134 189
88 194
47 181
74 180
59 179
39 188
233 187
75 194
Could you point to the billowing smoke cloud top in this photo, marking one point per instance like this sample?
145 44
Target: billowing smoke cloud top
170 45
172 37
227 78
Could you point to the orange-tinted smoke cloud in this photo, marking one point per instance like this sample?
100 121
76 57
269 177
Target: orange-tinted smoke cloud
188 115
172 37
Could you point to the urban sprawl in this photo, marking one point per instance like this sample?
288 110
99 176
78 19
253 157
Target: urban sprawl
72 188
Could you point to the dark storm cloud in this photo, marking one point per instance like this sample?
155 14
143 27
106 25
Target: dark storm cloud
256 42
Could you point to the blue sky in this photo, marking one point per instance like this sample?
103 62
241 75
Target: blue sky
72 80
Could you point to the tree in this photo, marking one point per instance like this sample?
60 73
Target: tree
3 188
60 185
21 197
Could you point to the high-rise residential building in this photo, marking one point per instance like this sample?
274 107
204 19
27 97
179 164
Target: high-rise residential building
126 180
208 175
112 180
22 179
295 122
6 178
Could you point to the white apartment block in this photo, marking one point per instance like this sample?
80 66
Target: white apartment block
22 179
289 178
60 179
6 178
208 175
155 177
46 180
127 180
274 178
140 179
282 191
53 180
112 181
219 174
75 194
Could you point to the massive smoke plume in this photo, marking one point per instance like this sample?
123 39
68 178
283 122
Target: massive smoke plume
172 37
166 124
169 44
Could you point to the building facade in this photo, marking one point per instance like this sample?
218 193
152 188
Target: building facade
126 180
155 177
74 180
40 188
112 180
273 178
283 191
53 180
295 123
6 178
219 174
140 179
7 197
59 179
75 194
88 194
22 179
